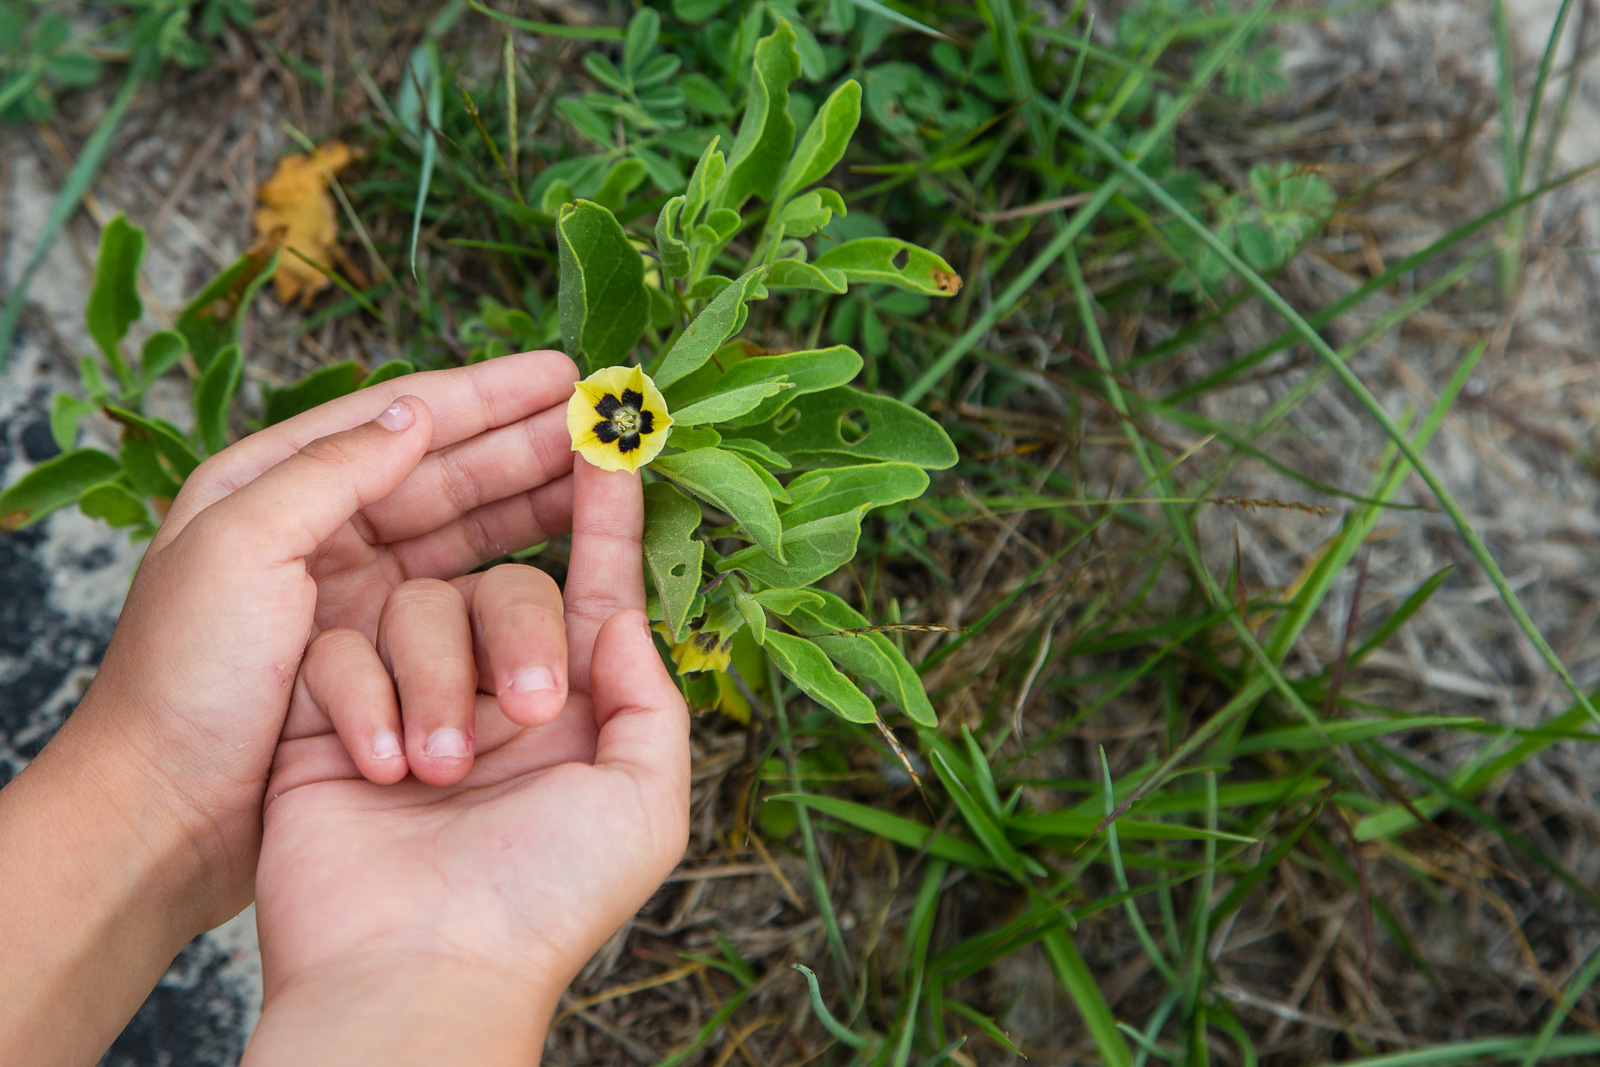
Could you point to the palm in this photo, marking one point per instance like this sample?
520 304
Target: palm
552 837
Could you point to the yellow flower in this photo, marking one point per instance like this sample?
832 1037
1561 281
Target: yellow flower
618 419
702 650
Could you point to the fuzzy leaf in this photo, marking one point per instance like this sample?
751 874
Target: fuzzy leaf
719 321
808 372
114 303
318 387
804 664
162 351
872 259
602 296
869 656
672 552
726 482
55 483
793 274
211 320
213 397
812 551
766 133
673 252
727 404
784 601
825 140
842 489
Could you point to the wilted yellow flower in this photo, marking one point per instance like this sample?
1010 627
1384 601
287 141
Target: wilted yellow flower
618 419
702 650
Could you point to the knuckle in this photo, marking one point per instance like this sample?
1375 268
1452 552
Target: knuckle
459 490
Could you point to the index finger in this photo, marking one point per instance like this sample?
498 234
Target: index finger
465 402
606 572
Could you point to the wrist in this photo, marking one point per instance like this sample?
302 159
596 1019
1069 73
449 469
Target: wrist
102 889
401 1008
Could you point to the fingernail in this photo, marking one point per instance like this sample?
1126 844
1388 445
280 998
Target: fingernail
397 416
447 744
532 680
385 746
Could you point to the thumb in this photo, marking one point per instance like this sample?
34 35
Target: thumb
644 724
299 503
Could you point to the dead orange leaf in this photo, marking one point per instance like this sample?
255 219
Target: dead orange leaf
297 212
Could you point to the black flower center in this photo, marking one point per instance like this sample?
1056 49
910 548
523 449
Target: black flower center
623 419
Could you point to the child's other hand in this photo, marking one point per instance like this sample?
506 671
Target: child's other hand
307 526
440 922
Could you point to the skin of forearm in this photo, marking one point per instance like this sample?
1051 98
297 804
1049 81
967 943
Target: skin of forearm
404 1011
101 888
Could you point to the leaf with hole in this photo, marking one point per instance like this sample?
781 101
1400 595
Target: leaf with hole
672 552
891 261
842 426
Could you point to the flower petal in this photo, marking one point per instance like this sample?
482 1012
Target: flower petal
607 394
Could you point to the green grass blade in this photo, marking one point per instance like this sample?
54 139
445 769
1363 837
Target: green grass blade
1358 389
85 169
1076 980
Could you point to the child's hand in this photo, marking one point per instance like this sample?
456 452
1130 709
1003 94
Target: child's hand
418 922
308 525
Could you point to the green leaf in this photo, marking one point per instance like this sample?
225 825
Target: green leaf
804 664
784 601
719 321
727 404
704 95
213 397
780 495
604 304
902 831
318 387
65 411
644 29
892 261
114 302
672 552
178 458
211 320
705 183
813 551
766 133
983 827
810 212
869 656
624 177
811 371
162 351
690 438
755 616
726 482
793 274
838 425
388 370
673 252
759 451
421 82
825 140
842 489
115 505
53 484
